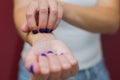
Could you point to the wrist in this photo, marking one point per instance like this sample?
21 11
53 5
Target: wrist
32 39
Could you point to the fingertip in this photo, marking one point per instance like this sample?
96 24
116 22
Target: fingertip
50 52
43 54
42 30
32 69
47 30
31 64
34 31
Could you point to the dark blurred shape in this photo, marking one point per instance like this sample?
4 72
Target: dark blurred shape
11 46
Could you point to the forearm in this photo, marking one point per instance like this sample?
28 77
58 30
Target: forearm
20 19
93 19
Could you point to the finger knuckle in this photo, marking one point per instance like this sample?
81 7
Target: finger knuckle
50 25
67 67
44 10
29 14
54 11
56 69
74 62
59 17
45 72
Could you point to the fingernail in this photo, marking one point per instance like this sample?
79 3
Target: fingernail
34 31
32 69
47 30
50 30
50 52
43 54
42 30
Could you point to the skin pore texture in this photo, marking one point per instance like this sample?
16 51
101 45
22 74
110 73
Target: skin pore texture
104 19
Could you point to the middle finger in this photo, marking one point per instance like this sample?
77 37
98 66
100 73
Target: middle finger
43 15
55 67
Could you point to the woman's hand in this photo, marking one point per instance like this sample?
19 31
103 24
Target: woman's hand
43 16
51 60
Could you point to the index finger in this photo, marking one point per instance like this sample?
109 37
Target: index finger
30 16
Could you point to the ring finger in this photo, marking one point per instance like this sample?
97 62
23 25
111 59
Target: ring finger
55 67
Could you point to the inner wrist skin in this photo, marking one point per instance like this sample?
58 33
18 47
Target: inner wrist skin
32 39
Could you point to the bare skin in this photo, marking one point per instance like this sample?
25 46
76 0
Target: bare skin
105 20
49 12
58 65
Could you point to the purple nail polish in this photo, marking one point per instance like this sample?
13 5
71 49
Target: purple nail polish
50 52
42 30
43 54
34 31
46 30
32 69
50 30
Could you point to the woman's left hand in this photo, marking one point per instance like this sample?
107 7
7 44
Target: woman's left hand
43 16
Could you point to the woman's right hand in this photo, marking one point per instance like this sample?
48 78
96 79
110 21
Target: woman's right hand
51 60
43 16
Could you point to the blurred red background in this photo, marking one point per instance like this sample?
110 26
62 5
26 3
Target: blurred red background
11 46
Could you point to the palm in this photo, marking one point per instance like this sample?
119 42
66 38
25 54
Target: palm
56 46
